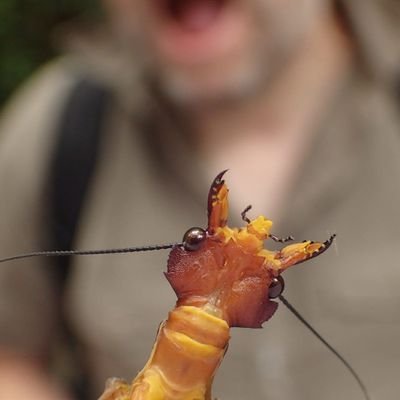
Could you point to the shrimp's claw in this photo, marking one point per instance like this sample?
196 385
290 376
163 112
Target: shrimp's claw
299 252
217 204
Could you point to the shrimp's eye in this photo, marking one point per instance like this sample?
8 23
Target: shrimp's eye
193 238
276 287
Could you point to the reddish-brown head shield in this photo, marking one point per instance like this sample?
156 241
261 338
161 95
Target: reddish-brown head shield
228 271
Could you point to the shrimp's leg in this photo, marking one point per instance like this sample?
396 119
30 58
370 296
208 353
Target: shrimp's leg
243 214
281 240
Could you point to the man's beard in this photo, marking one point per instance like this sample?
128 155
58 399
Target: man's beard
233 86
274 41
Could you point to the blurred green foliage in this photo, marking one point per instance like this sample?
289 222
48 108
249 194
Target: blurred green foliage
26 35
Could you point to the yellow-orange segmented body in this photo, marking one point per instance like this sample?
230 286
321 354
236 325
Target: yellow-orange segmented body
189 348
222 277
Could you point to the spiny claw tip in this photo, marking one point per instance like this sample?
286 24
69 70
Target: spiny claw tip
218 178
324 247
330 240
215 187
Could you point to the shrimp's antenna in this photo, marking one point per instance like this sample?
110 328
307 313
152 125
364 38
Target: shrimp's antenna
61 253
335 352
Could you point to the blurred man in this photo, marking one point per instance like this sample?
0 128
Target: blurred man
295 99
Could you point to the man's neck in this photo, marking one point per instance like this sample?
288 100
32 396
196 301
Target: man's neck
266 137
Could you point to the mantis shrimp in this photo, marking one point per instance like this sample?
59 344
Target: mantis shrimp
223 277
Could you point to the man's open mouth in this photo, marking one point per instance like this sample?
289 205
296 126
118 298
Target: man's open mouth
197 31
192 15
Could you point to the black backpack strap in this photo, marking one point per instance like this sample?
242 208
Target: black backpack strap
74 159
78 138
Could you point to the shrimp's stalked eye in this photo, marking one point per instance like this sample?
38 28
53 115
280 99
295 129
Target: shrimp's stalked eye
193 238
276 287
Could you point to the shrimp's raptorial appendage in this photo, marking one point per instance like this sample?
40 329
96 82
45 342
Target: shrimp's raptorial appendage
222 280
217 204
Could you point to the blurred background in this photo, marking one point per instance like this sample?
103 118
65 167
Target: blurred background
28 34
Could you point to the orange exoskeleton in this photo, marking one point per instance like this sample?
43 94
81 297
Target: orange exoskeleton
223 277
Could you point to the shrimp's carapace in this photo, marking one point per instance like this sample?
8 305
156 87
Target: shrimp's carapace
231 270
